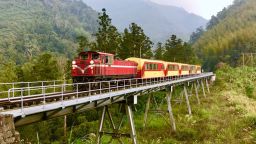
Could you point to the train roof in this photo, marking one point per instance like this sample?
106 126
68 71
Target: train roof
143 60
158 61
101 53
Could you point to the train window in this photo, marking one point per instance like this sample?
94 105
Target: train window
110 59
162 68
106 59
95 56
184 68
156 66
192 68
176 68
173 67
170 67
84 56
146 67
151 66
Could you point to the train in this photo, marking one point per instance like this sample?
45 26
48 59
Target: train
90 66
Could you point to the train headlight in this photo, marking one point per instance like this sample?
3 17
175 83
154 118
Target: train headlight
73 62
91 62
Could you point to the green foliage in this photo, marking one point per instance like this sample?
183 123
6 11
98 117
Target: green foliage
135 43
44 67
196 35
227 35
159 52
28 28
8 72
83 43
107 38
175 50
249 89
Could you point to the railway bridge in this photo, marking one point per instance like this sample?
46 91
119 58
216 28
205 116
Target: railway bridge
28 102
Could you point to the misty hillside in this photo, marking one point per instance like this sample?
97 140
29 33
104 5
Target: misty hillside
158 21
230 33
28 28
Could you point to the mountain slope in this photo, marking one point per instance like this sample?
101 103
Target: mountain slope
230 33
29 27
158 21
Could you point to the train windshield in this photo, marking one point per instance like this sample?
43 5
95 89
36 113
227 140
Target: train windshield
84 56
95 56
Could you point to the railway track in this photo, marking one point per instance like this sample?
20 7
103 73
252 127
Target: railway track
16 102
62 95
19 101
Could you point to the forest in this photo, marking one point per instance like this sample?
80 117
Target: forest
227 35
39 39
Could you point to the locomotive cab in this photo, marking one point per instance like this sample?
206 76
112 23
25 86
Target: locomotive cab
83 66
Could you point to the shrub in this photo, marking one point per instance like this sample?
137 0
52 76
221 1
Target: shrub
249 90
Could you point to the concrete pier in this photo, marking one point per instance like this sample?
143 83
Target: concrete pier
8 135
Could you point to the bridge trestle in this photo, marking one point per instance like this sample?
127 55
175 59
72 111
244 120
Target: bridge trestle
116 132
189 89
158 108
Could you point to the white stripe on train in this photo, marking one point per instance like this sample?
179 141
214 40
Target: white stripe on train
91 66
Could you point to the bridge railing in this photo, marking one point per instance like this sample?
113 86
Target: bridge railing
89 87
5 87
42 95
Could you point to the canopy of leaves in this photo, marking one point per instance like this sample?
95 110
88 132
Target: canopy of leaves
230 33
135 43
44 67
107 38
28 27
175 50
132 43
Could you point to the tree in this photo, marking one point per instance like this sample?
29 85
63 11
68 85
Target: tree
107 38
43 67
83 43
213 21
159 52
178 51
196 35
135 43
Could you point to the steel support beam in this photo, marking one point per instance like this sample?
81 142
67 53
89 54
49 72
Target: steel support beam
207 85
202 83
168 99
131 122
146 110
196 91
187 99
100 132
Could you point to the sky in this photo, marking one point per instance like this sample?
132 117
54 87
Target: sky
204 8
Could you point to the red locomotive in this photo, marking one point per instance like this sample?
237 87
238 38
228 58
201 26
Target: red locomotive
95 66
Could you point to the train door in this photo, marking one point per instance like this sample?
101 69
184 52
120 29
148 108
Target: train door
107 61
103 65
96 59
